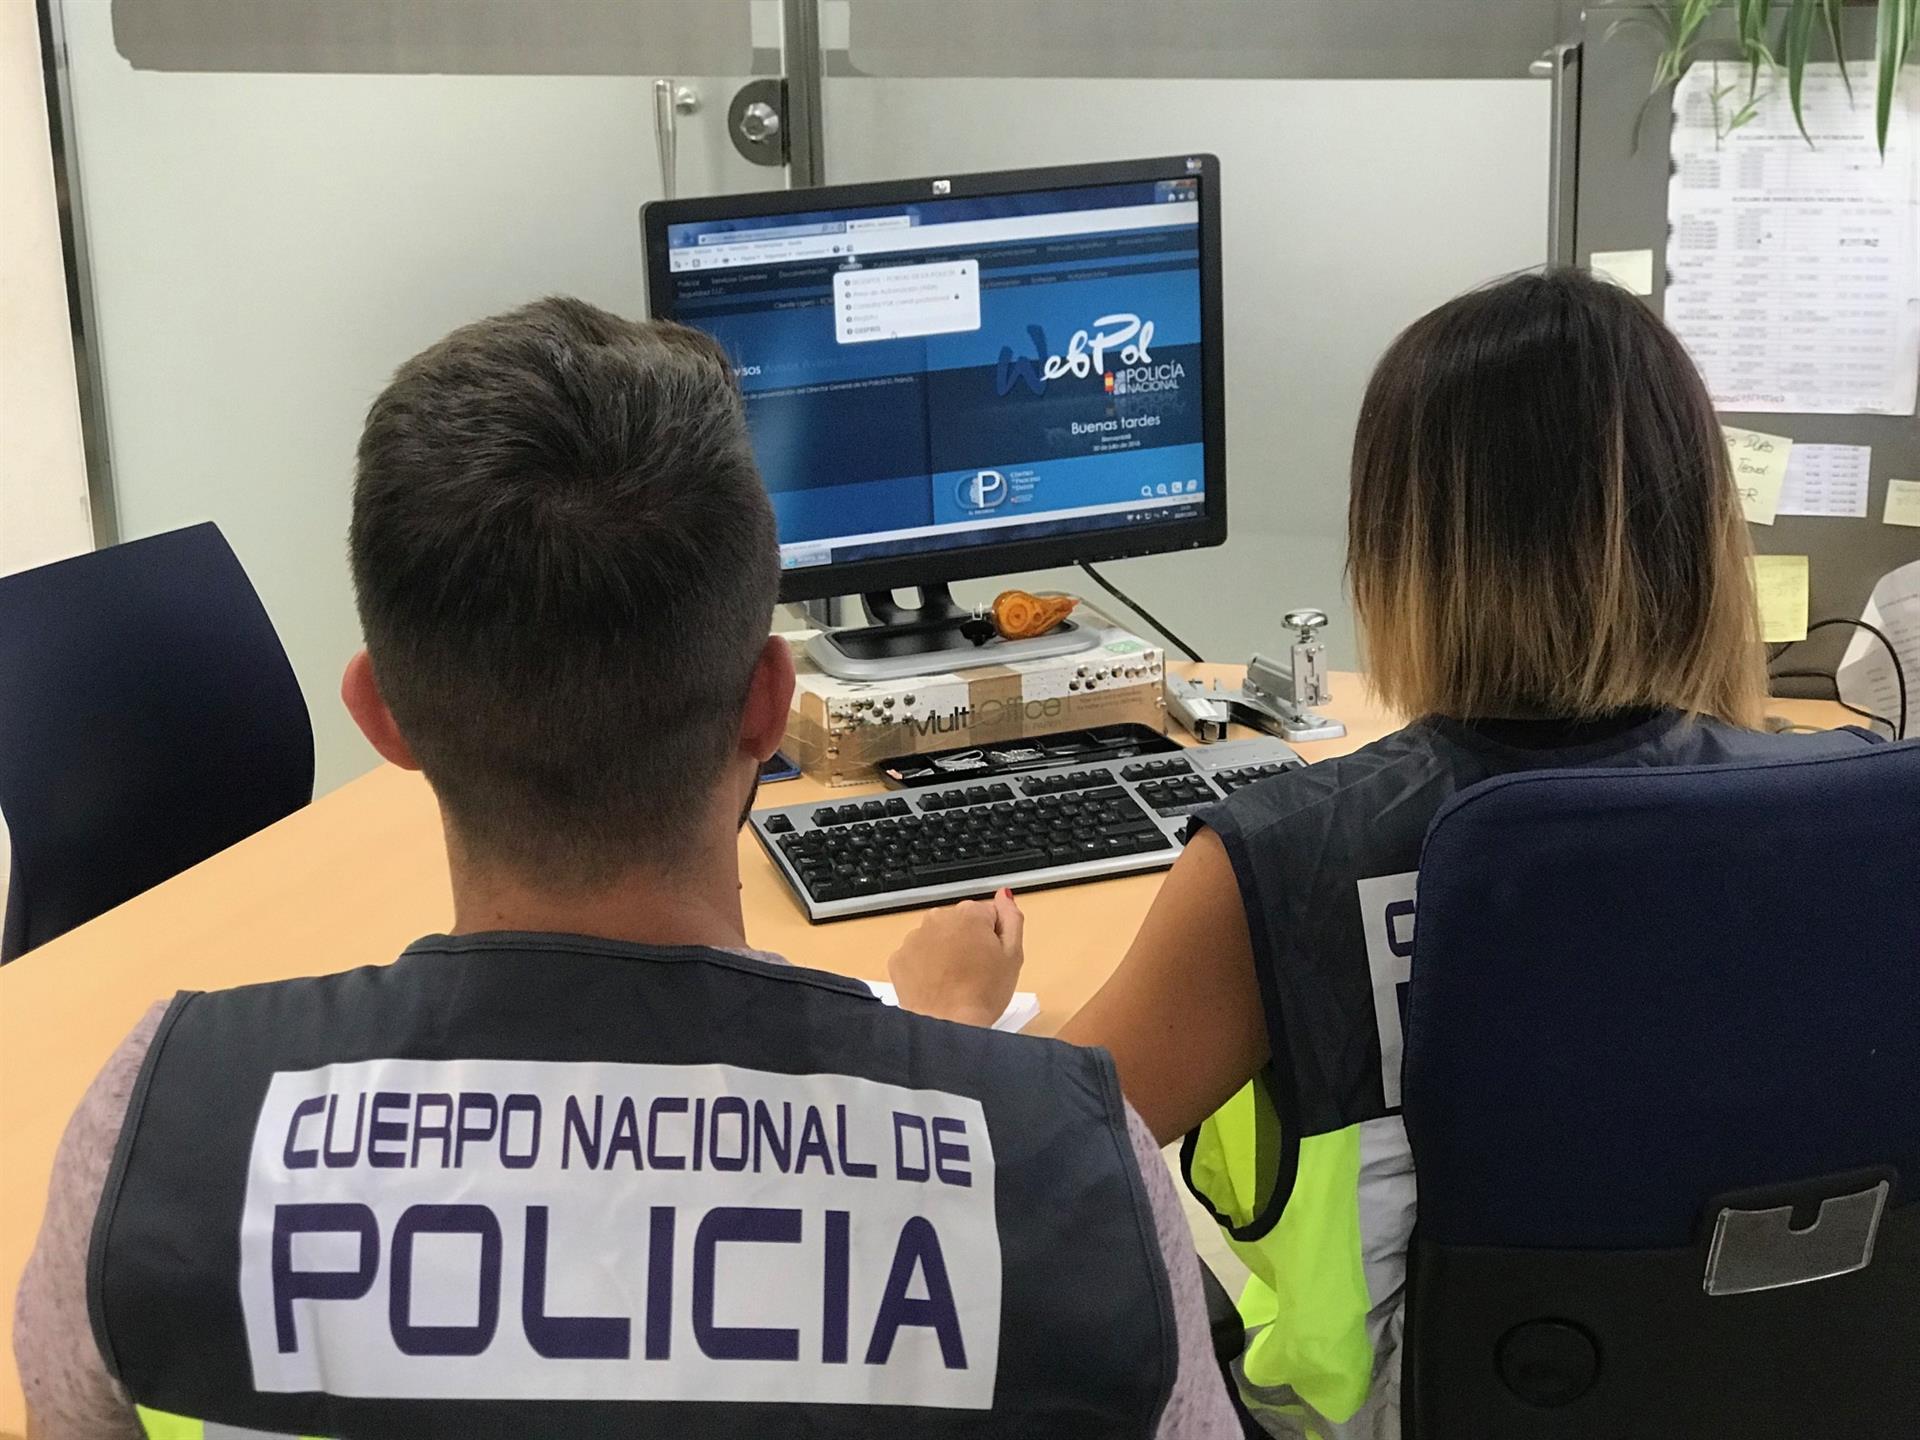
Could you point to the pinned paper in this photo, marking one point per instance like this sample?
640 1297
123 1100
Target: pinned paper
1759 469
1903 502
1780 585
1827 480
1631 270
1790 266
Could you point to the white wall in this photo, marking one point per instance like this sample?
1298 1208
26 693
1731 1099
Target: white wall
1350 207
43 476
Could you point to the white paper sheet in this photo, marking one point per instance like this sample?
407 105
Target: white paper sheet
1020 1012
1866 677
1632 270
1793 271
1826 480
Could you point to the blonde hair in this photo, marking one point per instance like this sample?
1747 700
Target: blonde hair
1544 520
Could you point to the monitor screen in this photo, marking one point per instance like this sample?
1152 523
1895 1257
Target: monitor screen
949 384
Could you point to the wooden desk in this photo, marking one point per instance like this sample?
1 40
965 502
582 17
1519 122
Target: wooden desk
359 874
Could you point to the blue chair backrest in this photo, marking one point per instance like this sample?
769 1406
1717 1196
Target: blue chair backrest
148 719
1636 990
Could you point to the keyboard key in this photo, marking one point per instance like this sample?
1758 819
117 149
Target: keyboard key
977 868
1155 770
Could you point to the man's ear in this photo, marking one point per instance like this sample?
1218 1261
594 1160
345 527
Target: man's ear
763 723
361 694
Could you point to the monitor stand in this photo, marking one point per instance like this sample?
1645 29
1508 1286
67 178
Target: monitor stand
929 640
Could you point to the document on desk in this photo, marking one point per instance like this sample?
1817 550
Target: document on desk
1793 270
1020 1012
1866 677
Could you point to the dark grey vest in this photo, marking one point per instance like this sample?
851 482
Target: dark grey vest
519 1185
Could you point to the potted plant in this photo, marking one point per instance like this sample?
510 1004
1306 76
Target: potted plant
1777 37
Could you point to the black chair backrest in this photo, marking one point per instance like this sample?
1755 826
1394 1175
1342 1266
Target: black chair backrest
148 719
1662 1086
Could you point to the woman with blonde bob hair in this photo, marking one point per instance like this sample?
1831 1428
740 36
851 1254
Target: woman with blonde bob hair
1549 564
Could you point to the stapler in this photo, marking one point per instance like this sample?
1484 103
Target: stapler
1206 713
1273 698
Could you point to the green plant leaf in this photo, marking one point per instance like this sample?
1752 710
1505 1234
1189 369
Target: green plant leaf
1692 15
1797 42
1893 36
1837 37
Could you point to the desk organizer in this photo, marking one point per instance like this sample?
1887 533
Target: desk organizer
838 729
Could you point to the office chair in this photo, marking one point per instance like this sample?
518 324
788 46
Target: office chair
148 718
1662 1086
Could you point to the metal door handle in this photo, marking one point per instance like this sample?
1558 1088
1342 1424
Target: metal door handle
670 101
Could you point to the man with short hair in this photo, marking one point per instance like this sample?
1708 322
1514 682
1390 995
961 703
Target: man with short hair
587 1165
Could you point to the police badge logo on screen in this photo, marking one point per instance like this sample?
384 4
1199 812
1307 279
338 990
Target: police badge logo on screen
487 1229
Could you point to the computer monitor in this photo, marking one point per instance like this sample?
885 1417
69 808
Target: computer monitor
966 375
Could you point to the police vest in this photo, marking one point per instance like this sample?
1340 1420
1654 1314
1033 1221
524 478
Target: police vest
518 1185
1307 1169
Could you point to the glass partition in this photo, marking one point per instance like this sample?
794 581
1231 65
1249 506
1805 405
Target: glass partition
281 207
283 202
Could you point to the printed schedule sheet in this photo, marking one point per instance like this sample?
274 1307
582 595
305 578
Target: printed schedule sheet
1794 268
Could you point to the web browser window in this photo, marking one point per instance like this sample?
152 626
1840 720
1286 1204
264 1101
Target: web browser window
957 372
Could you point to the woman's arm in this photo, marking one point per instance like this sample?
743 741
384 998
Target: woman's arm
1182 1015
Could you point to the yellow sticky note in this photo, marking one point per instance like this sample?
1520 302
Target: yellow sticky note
1631 270
1903 502
1780 585
1759 469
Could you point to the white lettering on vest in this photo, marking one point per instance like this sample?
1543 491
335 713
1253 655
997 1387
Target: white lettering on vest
1386 918
539 1230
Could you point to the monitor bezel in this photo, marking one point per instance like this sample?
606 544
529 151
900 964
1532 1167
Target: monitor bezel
978 561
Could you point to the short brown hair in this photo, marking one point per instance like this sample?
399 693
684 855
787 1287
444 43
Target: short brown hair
566 567
1543 518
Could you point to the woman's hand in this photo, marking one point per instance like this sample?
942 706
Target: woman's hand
961 963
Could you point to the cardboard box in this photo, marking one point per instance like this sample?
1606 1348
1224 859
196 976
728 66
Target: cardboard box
839 729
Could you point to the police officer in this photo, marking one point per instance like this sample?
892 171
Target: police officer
1549 563
587 1165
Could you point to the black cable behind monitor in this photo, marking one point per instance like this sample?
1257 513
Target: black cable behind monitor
1140 610
1899 672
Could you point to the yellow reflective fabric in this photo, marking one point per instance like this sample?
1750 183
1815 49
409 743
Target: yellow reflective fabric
1305 1305
161 1426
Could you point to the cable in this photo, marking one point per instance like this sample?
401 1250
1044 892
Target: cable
1139 609
1899 671
1833 681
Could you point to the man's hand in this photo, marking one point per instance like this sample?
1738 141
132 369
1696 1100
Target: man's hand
961 963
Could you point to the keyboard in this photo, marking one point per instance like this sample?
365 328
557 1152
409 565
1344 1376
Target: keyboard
1055 826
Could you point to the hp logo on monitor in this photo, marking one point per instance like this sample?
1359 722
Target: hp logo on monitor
986 490
943 187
